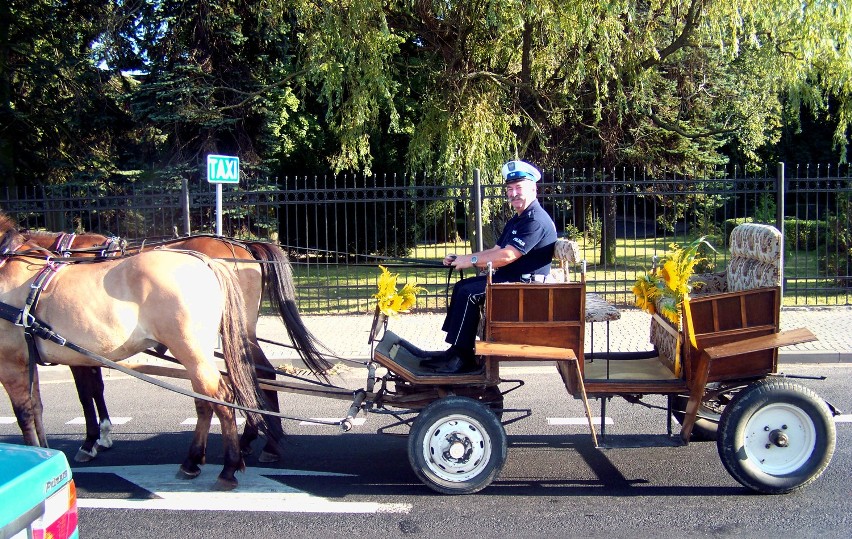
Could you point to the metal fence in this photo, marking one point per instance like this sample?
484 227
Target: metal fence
338 229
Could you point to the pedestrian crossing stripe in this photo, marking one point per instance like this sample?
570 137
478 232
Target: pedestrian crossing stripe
113 420
7 420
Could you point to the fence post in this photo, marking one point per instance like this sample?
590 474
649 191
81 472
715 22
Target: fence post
184 191
477 209
779 216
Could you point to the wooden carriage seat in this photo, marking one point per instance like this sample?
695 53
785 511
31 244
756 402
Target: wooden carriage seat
755 263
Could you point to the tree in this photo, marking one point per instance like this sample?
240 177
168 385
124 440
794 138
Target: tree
664 84
57 109
217 79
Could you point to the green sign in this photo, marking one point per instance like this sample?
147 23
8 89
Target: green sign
223 169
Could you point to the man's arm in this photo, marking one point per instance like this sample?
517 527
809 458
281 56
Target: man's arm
498 256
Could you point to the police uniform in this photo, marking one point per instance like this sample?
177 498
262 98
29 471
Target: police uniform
533 233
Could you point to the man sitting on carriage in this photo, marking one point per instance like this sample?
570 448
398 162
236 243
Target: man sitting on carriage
523 252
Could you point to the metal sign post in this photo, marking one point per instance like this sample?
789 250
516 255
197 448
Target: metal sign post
222 169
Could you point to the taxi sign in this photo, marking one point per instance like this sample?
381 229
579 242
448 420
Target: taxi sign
223 169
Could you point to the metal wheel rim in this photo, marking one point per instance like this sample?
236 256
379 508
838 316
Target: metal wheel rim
456 448
799 431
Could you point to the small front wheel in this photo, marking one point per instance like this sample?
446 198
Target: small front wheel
776 436
457 446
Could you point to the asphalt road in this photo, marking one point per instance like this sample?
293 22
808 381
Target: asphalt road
555 482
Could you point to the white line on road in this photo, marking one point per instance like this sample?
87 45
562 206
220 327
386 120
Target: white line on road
256 492
114 420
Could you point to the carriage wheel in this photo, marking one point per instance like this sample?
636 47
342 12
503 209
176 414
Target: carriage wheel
457 446
776 436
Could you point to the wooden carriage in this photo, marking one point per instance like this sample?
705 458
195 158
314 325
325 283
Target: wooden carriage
716 369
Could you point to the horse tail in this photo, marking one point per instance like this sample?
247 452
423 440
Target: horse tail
236 348
278 282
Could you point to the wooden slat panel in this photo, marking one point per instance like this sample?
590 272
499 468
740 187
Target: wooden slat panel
525 351
766 342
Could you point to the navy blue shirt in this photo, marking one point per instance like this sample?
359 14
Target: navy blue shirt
534 235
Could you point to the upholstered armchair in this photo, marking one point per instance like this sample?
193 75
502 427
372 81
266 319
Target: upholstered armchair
755 262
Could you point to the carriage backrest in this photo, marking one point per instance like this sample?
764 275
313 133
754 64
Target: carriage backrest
567 255
755 257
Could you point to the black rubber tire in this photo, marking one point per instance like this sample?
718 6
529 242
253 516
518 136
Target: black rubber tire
776 436
457 446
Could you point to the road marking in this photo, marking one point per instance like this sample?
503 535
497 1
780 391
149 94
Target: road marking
193 420
843 418
113 420
7 420
559 421
255 492
358 421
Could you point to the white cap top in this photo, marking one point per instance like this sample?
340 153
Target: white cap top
515 171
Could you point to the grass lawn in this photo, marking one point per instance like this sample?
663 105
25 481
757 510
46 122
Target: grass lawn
331 288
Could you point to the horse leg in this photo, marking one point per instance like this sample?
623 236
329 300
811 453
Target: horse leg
105 425
233 457
38 412
265 371
27 407
84 380
191 467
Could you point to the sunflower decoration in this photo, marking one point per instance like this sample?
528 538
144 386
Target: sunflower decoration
663 289
392 301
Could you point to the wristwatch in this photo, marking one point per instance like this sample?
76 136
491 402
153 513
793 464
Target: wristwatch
473 260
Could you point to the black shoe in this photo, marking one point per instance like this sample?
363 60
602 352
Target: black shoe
459 365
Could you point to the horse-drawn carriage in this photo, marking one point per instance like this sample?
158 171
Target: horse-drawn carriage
718 369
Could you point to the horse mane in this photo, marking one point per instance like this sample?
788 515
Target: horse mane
11 239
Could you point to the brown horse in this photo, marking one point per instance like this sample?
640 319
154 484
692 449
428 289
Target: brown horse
258 265
116 308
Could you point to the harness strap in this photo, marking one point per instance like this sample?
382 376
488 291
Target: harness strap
27 320
114 245
63 244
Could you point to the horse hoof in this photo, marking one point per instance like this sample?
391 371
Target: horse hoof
86 456
246 451
224 485
267 457
183 473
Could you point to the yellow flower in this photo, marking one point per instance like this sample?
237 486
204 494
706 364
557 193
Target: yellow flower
664 290
389 300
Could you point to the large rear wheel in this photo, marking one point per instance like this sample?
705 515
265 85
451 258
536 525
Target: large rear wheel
776 436
457 446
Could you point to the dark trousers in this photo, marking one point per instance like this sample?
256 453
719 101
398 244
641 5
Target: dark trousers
463 314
